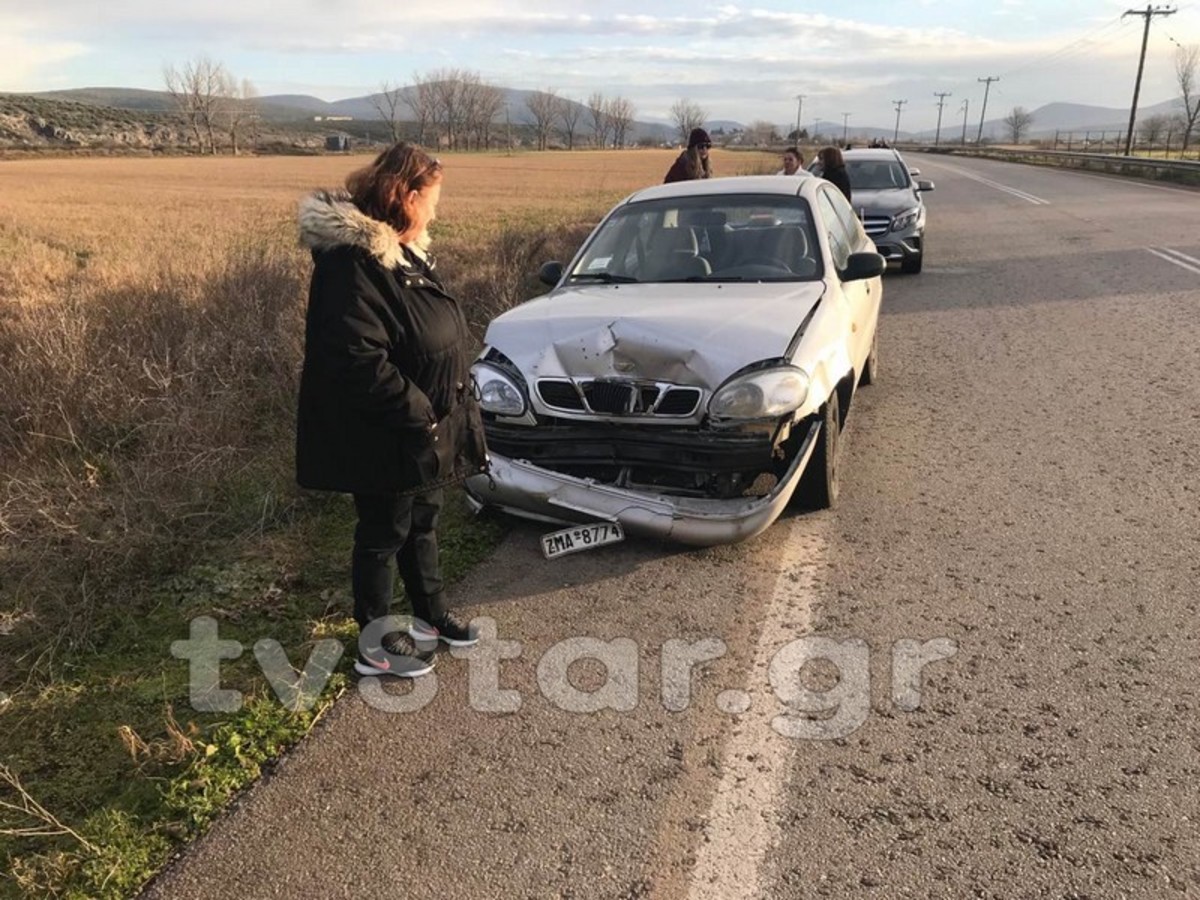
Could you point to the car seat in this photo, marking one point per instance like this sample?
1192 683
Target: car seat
675 254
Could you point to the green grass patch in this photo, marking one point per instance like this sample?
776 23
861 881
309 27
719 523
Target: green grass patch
113 754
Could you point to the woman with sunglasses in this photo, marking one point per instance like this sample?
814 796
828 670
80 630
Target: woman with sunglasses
692 162
386 410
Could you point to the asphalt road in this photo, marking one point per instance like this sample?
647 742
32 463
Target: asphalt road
1018 514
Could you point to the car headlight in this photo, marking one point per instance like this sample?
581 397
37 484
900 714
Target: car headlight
905 219
766 394
498 392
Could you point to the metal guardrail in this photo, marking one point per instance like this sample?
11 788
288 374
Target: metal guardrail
1176 170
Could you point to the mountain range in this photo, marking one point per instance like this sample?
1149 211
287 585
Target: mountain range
295 109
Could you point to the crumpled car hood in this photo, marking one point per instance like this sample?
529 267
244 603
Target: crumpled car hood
688 334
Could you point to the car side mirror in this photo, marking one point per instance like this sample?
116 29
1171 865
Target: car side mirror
924 185
550 273
863 265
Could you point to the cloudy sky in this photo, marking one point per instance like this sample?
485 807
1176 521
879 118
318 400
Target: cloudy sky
738 61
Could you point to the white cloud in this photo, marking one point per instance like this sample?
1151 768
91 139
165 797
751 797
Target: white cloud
26 64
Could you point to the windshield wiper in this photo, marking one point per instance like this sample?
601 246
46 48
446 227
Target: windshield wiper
605 277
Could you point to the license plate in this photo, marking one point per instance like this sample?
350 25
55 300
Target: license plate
580 537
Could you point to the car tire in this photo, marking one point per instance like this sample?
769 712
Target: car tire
818 487
911 265
870 372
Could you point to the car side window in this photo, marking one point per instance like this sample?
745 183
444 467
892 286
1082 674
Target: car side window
840 245
849 220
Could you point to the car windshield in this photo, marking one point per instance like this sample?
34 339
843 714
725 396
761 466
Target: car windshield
736 237
876 174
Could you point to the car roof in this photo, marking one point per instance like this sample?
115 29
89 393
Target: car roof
871 153
789 185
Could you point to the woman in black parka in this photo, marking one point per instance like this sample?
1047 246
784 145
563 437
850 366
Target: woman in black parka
833 168
386 409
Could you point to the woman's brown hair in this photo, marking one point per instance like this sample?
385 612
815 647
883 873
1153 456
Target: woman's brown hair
831 156
380 188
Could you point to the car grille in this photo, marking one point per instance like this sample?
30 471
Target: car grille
876 225
560 395
678 402
619 398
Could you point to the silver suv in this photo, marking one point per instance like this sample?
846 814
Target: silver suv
888 201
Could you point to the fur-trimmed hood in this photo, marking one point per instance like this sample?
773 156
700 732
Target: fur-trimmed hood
330 219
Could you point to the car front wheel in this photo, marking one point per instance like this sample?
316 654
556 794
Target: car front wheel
818 487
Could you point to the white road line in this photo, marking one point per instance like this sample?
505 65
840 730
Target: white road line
1169 255
1029 198
741 824
1179 254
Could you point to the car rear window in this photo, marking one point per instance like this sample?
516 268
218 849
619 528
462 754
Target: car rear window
876 175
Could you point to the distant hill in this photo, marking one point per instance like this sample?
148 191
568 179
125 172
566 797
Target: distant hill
1059 117
298 111
117 98
294 108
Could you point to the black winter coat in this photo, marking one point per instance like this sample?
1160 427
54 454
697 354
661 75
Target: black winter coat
680 169
385 404
837 175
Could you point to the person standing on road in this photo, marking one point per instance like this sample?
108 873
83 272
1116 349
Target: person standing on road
833 168
693 162
793 161
386 410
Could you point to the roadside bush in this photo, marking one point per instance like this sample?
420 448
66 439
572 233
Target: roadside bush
128 413
503 272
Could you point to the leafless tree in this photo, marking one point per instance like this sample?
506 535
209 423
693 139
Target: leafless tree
543 108
483 103
620 117
199 92
1017 122
1152 128
387 103
687 115
421 98
1186 60
762 132
598 118
568 113
241 110
447 86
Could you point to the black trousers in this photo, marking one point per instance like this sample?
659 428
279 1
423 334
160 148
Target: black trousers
405 529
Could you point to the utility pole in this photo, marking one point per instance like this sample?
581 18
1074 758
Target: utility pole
987 87
964 137
799 106
899 106
845 126
937 135
1149 13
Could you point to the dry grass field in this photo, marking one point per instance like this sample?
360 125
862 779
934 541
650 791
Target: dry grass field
132 215
151 320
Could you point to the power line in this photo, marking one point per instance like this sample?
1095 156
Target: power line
1081 44
1148 14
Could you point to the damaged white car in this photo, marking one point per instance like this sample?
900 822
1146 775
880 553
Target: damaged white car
692 368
